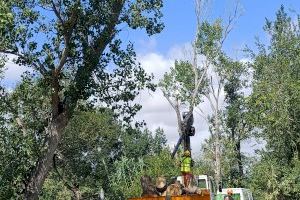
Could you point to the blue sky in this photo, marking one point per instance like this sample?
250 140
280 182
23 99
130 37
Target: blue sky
179 19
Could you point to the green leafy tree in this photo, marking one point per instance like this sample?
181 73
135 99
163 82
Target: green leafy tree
236 127
92 142
274 105
78 54
183 87
202 77
147 155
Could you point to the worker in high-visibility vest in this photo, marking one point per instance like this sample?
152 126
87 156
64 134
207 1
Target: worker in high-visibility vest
185 168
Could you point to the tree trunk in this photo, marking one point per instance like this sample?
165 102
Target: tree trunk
239 160
45 162
218 175
218 162
76 193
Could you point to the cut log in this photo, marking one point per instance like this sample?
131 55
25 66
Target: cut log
174 189
192 190
161 186
149 189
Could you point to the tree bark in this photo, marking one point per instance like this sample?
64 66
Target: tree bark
45 162
76 193
239 160
218 175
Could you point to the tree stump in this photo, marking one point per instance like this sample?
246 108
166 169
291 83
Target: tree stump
149 189
174 189
161 186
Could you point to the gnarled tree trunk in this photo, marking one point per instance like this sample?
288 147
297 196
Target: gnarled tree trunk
45 162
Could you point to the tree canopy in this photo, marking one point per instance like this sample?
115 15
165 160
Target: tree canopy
68 128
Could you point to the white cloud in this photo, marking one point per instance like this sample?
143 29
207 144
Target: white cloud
13 72
156 64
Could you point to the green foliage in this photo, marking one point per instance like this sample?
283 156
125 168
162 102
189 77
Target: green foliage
276 89
6 21
275 110
161 165
271 181
159 141
142 142
82 31
93 144
100 149
126 179
202 165
6 16
54 188
78 57
179 84
235 125
208 39
24 113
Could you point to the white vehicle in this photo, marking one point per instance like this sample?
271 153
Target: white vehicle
238 194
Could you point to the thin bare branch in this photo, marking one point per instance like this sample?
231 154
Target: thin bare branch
231 22
202 114
198 81
179 121
169 100
213 92
213 107
68 30
57 13
63 59
198 11
22 126
219 89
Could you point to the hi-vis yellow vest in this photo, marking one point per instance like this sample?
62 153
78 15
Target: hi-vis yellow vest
186 164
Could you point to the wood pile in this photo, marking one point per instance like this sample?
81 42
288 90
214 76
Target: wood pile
162 188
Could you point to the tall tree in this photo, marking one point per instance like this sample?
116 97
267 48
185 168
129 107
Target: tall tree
210 40
202 76
183 88
236 127
74 48
275 109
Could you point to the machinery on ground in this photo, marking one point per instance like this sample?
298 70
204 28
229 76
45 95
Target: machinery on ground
187 130
204 182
